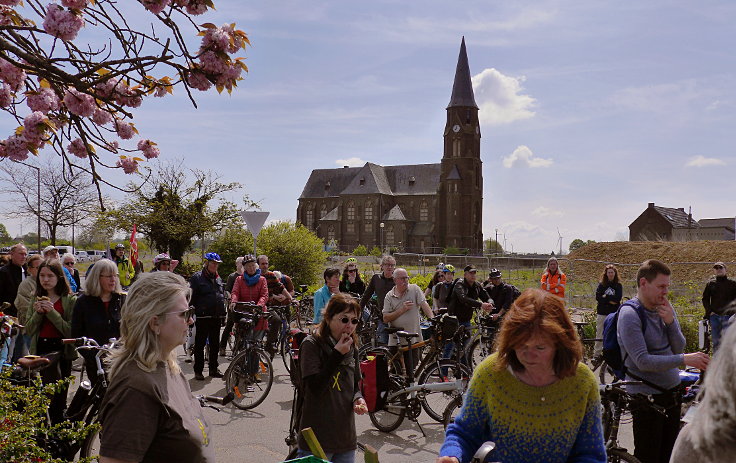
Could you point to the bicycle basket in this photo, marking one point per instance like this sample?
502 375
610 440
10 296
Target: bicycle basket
448 326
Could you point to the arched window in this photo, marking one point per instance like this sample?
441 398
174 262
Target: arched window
456 148
350 212
309 217
323 211
390 234
423 211
330 233
368 210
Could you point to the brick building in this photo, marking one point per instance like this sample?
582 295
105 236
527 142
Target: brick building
659 223
417 208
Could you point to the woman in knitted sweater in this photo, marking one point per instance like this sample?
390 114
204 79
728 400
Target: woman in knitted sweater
533 398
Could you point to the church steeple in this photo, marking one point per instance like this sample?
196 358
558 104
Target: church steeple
462 89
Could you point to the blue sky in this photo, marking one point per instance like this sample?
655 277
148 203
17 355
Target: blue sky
589 110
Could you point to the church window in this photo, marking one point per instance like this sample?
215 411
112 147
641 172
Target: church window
423 211
309 218
456 148
350 227
323 211
390 234
368 211
330 233
351 211
369 227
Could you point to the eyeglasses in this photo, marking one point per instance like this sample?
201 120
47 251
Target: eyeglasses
718 267
345 320
70 264
185 314
353 270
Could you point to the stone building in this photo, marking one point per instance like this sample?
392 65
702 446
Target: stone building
659 223
416 208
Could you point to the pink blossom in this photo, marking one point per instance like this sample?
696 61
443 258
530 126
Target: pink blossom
77 148
199 81
195 7
161 91
106 89
6 18
6 96
126 96
113 146
16 148
124 130
61 23
12 75
149 149
228 78
212 62
43 100
216 39
79 103
34 127
101 117
10 2
75 4
156 6
129 165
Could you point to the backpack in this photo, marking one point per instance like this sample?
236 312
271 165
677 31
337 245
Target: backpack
448 298
374 384
515 293
611 348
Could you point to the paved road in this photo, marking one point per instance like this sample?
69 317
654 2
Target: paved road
258 435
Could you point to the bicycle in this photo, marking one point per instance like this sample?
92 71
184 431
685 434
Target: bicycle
405 398
284 343
250 373
304 306
481 344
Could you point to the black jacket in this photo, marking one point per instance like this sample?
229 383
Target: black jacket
91 319
607 303
502 295
10 277
718 293
208 294
464 299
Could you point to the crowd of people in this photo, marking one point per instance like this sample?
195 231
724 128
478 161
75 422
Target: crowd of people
534 396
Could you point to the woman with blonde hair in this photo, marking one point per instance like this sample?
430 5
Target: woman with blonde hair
149 413
533 397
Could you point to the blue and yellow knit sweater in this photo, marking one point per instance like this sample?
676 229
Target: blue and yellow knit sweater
556 423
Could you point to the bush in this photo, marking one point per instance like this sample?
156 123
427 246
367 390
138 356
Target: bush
361 250
375 252
453 251
231 244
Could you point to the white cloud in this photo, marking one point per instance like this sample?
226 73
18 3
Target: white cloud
523 157
499 98
542 211
702 161
351 162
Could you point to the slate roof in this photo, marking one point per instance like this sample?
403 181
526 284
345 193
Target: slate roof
727 222
332 215
462 88
678 218
454 174
394 214
413 179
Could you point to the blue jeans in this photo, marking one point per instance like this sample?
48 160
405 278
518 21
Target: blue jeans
718 324
344 457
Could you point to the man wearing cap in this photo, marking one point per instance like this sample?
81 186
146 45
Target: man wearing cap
464 299
501 293
125 267
52 252
718 294
208 300
442 289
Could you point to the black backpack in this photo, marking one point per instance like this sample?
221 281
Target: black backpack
611 348
448 298
515 293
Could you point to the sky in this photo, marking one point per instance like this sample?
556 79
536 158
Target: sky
589 110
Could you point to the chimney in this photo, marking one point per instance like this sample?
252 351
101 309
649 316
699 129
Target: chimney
651 206
345 167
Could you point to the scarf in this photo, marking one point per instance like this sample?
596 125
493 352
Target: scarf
251 280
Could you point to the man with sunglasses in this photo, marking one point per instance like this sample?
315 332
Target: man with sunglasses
718 294
401 310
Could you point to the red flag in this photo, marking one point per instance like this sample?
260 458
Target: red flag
133 248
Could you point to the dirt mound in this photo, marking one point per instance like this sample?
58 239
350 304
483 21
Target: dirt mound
690 261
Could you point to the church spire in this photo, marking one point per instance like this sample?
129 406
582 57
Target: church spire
462 89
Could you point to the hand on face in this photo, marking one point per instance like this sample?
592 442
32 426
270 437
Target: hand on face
343 345
666 312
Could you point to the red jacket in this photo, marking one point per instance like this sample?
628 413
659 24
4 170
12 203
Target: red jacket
257 293
554 284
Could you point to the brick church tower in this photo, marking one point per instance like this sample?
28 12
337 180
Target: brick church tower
460 188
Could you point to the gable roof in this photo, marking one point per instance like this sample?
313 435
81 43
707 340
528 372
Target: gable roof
338 180
454 174
394 214
332 215
371 178
678 218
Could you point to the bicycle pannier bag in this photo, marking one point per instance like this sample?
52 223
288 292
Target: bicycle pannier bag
375 382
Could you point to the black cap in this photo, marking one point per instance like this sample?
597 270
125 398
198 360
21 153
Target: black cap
495 273
470 268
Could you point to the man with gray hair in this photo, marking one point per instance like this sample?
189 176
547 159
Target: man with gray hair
380 285
401 309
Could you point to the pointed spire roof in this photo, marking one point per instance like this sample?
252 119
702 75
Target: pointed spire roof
462 89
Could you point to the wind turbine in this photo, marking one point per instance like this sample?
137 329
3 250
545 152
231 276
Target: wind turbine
559 238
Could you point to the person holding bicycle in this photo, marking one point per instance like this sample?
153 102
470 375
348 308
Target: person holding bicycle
97 311
208 299
330 372
441 290
533 397
251 286
148 412
351 282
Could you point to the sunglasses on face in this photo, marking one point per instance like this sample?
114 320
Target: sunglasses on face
345 320
69 263
185 314
353 270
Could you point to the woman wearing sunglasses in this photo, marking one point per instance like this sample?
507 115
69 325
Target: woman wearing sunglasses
97 311
330 373
351 282
149 413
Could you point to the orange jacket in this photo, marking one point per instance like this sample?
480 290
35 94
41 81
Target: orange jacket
555 284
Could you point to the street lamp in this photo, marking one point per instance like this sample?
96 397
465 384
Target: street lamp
382 225
38 194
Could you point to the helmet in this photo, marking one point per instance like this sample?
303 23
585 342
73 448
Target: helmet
440 266
161 258
213 256
449 268
495 273
119 246
351 260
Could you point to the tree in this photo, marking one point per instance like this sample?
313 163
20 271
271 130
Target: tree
578 243
360 250
174 207
376 251
81 94
67 197
493 246
5 237
231 244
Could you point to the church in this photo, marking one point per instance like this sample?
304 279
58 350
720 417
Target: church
420 208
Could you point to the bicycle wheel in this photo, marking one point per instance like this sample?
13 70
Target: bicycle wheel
619 455
435 403
91 446
285 350
393 412
249 377
453 408
478 350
